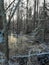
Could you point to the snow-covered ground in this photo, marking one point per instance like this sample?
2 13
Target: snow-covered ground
2 58
13 63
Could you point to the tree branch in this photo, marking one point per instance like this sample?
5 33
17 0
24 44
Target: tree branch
10 5
15 8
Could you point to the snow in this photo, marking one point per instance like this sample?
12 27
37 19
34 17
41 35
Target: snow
13 63
1 37
2 60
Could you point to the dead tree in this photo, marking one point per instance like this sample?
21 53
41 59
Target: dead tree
34 14
27 17
5 24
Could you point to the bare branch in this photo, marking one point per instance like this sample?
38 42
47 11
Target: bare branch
10 5
15 8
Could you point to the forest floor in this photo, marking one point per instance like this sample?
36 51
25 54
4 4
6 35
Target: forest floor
23 45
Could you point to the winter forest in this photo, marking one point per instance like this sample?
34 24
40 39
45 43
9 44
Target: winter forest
24 32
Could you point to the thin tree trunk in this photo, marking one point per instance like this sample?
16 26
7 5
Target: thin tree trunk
34 14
